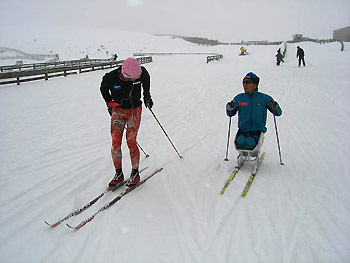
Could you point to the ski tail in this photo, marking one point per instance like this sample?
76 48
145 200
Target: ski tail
252 176
92 202
232 176
125 192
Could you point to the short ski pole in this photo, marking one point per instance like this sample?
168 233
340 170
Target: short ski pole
278 141
138 145
165 132
228 138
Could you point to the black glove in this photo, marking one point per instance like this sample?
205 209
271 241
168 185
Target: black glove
230 106
231 110
273 105
149 103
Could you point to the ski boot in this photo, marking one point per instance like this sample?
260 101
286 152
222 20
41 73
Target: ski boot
134 178
117 179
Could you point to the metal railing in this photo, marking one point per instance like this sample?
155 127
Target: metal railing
214 57
210 56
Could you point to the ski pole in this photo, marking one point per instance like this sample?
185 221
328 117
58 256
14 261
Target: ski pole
138 145
228 138
165 132
278 141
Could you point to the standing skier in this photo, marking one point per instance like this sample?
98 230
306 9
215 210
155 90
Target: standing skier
252 107
279 57
121 89
300 55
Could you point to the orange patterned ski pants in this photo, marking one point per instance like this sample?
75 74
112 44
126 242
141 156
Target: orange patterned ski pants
131 119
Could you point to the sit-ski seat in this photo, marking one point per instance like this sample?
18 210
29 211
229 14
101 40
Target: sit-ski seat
249 155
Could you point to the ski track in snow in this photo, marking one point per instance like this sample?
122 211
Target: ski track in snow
55 157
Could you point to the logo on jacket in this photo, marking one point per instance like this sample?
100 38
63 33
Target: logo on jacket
117 87
243 103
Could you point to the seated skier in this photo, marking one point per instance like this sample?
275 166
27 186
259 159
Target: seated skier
252 107
243 51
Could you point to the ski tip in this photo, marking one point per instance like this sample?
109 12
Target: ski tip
72 227
52 225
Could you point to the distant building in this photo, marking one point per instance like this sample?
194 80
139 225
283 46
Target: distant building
342 34
297 37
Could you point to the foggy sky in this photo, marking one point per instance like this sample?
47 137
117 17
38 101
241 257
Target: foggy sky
226 20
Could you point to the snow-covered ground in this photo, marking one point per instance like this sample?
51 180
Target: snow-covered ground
55 157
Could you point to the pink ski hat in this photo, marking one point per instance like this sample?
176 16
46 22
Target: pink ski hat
131 68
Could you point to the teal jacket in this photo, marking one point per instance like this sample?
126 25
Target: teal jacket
252 111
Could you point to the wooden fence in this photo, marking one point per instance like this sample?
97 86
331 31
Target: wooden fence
38 71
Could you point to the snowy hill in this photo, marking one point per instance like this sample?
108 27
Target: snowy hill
76 42
55 157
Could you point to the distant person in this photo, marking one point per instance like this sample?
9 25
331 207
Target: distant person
115 56
252 107
300 55
279 57
121 89
243 51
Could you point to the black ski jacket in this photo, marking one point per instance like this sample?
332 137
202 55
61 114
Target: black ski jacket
279 57
300 53
125 93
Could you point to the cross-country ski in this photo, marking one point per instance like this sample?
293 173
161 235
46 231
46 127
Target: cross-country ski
116 199
89 204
